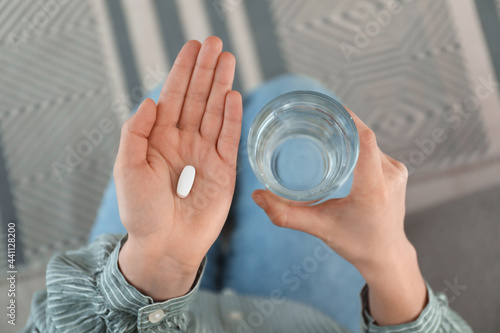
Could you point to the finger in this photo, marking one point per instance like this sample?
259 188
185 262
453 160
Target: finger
387 159
174 90
369 160
397 165
223 81
200 84
286 215
135 132
229 137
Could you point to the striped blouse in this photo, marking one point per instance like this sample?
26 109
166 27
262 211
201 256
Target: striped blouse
86 292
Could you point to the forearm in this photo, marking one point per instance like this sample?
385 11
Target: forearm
157 277
397 290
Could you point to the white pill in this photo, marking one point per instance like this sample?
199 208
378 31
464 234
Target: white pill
186 180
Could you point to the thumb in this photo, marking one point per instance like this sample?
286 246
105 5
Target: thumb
134 136
285 214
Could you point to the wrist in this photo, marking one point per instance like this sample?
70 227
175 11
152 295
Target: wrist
396 256
155 255
153 274
397 290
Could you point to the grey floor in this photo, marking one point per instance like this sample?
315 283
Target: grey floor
459 254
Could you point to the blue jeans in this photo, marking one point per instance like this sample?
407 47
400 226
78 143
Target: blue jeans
263 259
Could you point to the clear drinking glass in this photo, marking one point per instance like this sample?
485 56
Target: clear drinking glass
303 146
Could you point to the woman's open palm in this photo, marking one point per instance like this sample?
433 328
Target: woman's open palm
197 122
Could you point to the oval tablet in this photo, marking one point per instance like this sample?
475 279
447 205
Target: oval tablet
186 180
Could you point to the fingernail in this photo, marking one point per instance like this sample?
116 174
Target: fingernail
260 201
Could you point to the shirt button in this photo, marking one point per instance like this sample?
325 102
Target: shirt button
228 291
235 315
156 316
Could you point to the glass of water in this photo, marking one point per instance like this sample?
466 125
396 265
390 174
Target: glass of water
303 146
